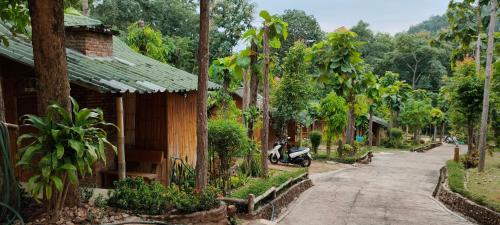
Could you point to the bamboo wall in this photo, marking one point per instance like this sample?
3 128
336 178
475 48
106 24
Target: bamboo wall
181 114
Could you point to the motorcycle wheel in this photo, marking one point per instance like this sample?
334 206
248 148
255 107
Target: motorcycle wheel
273 159
306 162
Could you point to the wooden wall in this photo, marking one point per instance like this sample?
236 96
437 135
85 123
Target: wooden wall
151 122
181 114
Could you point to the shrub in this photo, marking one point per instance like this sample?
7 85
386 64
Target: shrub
100 201
225 139
260 185
138 196
348 150
315 138
182 173
192 200
86 193
471 160
255 167
395 138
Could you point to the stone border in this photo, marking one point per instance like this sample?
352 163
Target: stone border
217 216
275 207
458 203
426 147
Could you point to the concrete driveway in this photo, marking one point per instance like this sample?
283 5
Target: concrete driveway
395 189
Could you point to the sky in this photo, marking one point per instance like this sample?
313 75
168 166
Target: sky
391 16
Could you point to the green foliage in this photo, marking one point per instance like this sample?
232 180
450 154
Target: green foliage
456 175
437 116
347 150
470 160
255 167
416 114
176 18
417 62
193 200
433 25
278 29
182 173
15 13
226 138
260 185
229 19
294 90
315 137
181 53
338 60
395 138
86 193
301 27
147 41
334 112
100 201
138 196
64 146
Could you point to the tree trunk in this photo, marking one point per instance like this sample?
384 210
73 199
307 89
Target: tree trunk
225 88
350 121
487 86
85 7
328 147
478 40
442 131
2 105
415 136
265 106
435 133
253 92
246 90
201 101
370 130
396 123
49 55
470 137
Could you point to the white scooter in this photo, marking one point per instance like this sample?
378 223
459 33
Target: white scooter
296 155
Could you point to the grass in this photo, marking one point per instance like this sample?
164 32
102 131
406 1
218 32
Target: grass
258 186
482 188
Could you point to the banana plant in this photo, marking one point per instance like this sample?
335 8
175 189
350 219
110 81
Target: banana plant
63 148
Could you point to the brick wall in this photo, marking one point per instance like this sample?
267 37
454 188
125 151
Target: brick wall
90 42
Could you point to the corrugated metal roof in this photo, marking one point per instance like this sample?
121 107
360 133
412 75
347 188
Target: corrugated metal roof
126 71
380 121
80 21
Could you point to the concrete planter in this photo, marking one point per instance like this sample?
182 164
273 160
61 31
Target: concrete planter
458 203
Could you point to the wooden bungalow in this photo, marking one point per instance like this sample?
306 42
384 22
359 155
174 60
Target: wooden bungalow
154 103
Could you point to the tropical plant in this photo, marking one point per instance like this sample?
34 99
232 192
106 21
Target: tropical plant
16 14
181 173
340 65
315 137
395 138
334 112
393 96
64 147
273 31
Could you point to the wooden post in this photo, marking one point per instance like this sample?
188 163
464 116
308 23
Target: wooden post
456 154
121 138
251 205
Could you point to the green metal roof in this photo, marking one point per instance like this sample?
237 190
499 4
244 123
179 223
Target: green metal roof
125 71
380 121
80 21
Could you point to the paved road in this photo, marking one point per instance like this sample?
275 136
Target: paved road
395 189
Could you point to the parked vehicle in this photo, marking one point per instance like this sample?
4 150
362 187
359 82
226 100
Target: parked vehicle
285 153
450 140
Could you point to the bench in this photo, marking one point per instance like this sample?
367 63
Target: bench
140 163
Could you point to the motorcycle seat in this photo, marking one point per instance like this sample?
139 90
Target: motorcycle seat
296 149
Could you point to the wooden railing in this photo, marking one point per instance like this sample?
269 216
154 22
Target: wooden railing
251 202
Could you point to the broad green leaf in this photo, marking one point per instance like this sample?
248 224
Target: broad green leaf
265 15
27 154
59 151
68 167
77 146
57 182
48 191
72 176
